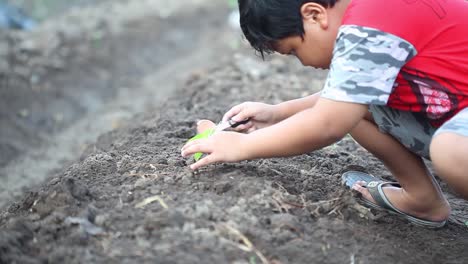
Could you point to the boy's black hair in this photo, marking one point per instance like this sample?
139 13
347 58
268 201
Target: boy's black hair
264 22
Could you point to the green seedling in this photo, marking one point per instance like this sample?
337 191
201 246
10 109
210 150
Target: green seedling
206 134
220 127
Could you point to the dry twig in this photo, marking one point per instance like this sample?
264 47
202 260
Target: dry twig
150 200
246 244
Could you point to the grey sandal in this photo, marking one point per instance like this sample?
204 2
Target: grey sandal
375 187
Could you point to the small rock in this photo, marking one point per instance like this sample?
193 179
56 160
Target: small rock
79 238
143 243
222 187
186 180
280 220
188 227
164 219
127 197
101 220
141 183
140 231
90 213
203 209
155 190
176 162
77 190
54 181
241 262
34 217
85 225
162 161
169 180
57 217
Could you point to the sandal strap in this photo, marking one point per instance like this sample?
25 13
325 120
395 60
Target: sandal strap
375 190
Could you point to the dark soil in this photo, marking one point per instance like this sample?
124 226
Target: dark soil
92 72
109 69
290 210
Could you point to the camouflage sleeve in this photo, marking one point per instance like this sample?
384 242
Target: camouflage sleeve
365 65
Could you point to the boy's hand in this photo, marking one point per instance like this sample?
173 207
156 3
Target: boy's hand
220 147
260 114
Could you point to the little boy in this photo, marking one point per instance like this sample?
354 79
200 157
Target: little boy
398 83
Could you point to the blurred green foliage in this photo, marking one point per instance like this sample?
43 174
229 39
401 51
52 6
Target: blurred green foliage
232 3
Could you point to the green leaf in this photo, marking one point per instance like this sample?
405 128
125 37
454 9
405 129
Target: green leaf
206 134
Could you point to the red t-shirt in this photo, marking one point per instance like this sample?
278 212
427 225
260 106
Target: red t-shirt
433 74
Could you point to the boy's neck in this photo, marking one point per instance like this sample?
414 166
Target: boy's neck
339 9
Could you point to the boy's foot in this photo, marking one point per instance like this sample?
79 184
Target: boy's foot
391 197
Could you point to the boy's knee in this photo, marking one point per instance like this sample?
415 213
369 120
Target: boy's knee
449 155
441 152
448 152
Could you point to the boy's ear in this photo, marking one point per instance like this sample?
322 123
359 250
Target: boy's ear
315 13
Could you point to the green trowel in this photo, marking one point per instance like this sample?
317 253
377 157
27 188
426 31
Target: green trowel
222 126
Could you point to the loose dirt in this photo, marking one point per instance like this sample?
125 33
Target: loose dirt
130 197
115 60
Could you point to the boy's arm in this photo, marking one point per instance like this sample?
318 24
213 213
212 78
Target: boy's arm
292 107
327 122
309 130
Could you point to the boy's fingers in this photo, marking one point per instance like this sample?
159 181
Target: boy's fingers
243 115
191 143
203 125
203 162
234 111
244 127
199 146
252 129
186 146
239 112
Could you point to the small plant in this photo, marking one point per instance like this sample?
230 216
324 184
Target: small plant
205 134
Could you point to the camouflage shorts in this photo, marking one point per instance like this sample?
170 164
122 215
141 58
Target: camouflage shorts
413 129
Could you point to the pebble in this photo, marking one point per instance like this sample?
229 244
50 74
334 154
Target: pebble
241 262
203 209
222 187
127 197
279 220
101 220
57 217
140 231
160 161
79 237
142 183
169 180
186 180
172 161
